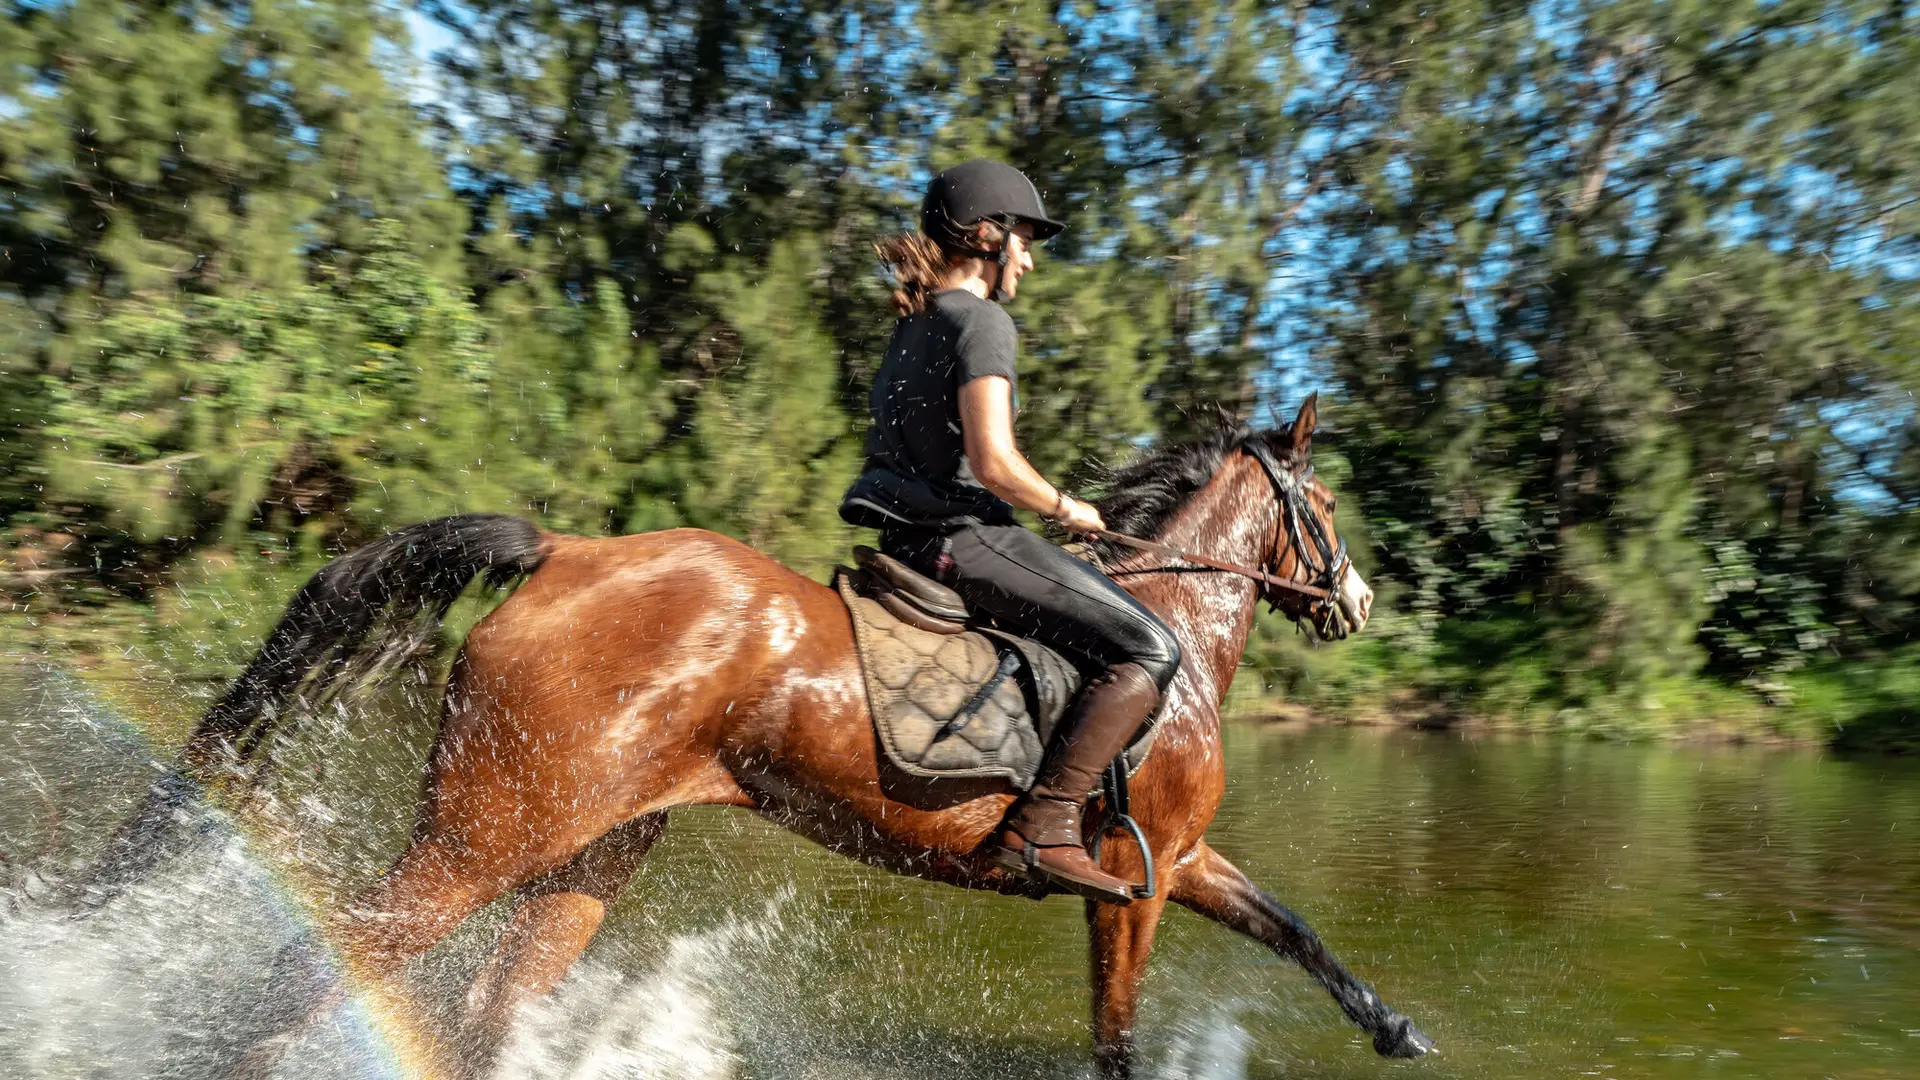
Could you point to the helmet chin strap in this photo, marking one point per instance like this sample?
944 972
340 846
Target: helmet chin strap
1000 293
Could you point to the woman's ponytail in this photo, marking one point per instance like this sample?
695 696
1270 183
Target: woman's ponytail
920 265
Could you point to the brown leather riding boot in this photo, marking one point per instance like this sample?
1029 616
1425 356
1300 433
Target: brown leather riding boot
1042 835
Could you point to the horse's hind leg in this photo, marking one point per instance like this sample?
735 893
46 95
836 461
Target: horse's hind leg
1210 885
429 891
553 919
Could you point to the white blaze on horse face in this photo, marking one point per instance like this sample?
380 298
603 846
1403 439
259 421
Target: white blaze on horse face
1355 599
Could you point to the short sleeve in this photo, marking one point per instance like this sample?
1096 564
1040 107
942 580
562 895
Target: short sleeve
988 345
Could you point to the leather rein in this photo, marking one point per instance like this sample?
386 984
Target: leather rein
1290 491
1171 552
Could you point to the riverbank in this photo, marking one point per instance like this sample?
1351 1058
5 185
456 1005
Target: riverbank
1452 680
175 643
1408 714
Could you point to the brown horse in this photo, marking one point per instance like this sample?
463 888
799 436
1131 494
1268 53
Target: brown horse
629 676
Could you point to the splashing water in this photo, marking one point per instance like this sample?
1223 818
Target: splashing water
1213 1045
157 982
163 981
670 1023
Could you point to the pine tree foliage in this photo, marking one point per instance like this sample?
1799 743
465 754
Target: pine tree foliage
1615 289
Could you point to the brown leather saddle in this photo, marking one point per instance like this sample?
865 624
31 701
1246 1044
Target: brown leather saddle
912 597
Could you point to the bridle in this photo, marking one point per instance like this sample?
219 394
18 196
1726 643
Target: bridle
1325 561
1324 572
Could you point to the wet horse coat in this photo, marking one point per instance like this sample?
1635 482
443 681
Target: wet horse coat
629 676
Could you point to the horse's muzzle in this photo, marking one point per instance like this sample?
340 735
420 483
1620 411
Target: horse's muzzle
1354 601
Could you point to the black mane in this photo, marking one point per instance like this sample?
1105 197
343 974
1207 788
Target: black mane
1144 491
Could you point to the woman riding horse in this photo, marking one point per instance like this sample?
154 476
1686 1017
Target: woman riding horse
943 477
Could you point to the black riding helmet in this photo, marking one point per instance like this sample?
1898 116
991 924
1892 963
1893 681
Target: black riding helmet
982 190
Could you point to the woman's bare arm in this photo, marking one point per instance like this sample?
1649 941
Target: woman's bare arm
986 423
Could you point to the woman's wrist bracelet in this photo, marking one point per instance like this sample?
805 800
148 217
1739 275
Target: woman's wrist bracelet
1059 505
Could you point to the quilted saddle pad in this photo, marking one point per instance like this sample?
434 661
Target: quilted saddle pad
978 704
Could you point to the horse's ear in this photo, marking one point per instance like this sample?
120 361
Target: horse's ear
1300 435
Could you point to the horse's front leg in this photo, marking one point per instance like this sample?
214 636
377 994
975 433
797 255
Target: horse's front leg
1122 938
1208 884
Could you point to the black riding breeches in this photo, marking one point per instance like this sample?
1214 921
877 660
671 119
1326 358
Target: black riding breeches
1032 587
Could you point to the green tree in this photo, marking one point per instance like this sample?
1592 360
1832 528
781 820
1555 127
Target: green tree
1602 279
192 189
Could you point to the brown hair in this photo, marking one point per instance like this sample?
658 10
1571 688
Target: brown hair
919 265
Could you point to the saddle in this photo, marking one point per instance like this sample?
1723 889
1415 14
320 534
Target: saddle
952 697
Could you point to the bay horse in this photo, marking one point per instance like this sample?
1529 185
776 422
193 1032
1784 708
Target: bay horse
628 676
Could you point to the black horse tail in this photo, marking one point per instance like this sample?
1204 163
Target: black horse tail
353 620
356 617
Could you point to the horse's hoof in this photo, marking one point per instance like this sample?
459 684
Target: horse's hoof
1401 1039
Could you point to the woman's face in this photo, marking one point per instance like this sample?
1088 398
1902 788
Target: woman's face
1020 262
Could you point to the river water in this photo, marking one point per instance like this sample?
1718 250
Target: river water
1542 907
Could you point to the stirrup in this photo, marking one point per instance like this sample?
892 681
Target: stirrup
1116 817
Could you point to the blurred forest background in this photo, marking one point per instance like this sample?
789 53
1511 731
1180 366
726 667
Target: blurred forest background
1612 303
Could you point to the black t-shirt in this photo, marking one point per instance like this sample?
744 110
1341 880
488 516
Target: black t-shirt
916 470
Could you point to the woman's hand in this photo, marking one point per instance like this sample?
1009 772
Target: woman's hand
1078 517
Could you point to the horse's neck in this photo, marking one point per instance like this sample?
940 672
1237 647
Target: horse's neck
1232 519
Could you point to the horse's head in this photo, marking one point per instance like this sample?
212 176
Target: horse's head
1306 547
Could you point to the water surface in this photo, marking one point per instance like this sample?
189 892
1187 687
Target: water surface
1542 907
